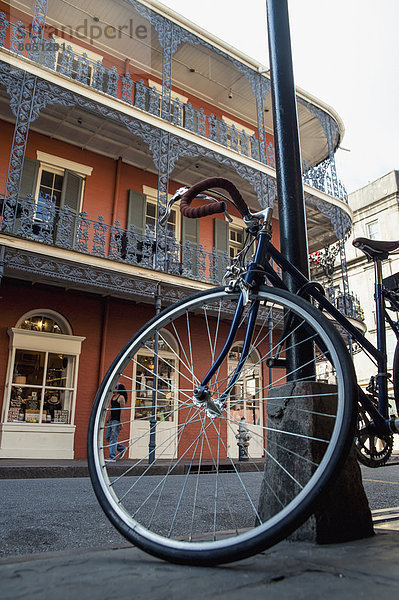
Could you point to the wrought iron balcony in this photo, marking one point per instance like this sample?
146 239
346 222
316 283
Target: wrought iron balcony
78 67
42 222
324 269
349 305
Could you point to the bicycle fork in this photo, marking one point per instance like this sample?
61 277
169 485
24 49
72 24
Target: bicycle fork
202 395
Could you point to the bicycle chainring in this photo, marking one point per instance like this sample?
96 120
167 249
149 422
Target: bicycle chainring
372 450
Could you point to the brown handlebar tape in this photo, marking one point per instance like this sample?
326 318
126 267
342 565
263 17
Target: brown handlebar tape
217 207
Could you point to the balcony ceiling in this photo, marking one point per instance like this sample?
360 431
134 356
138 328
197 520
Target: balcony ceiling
90 132
197 70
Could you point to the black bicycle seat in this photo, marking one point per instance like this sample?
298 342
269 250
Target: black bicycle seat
375 248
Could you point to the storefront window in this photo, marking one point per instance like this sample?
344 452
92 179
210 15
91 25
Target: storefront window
41 323
244 399
42 386
160 403
42 370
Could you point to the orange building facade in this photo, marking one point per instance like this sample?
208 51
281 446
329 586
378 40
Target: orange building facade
104 114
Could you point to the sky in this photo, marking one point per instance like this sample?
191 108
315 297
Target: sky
345 52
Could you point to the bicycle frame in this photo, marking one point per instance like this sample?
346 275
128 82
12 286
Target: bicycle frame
381 421
255 276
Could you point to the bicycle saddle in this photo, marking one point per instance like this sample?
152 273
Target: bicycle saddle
375 248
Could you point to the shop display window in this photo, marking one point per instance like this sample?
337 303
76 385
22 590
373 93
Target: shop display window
245 395
42 388
147 402
164 396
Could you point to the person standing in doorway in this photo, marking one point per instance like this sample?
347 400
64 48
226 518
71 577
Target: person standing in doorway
118 401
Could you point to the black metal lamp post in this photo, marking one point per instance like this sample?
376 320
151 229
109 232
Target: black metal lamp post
291 203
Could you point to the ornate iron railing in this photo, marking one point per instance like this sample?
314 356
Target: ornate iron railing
62 59
42 222
348 304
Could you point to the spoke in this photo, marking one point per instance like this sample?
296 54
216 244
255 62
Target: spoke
145 472
240 478
163 486
149 466
183 489
171 366
197 480
222 485
190 347
177 356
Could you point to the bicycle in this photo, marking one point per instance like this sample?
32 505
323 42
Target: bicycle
250 349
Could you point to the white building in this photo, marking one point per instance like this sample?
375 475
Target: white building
376 216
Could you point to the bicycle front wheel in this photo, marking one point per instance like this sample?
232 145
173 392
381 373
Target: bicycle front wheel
205 486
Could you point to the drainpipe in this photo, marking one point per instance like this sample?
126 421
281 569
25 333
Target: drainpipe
103 342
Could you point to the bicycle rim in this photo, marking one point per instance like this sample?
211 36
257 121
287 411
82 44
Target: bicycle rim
183 494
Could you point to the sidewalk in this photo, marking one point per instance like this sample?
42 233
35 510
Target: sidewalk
291 570
23 468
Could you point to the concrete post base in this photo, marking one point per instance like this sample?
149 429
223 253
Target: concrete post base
343 514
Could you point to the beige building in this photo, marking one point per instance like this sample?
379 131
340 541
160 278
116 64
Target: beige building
375 216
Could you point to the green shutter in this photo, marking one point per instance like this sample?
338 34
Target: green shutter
190 231
221 243
221 233
71 191
136 211
29 177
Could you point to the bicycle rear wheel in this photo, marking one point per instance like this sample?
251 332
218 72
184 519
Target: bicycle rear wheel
184 494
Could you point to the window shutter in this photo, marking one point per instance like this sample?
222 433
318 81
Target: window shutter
71 191
190 231
136 211
221 233
29 177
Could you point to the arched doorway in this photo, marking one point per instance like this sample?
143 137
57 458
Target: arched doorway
161 405
246 401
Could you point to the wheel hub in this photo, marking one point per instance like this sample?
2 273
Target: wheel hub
202 399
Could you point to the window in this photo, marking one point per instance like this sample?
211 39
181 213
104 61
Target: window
69 60
42 322
42 387
42 372
54 184
228 241
155 100
373 230
142 213
49 193
166 385
244 398
233 125
236 240
151 218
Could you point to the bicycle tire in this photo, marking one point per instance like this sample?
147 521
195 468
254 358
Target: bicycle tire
211 535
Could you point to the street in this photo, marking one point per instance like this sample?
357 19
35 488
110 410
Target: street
39 515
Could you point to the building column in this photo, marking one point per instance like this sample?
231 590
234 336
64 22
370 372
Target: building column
25 112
